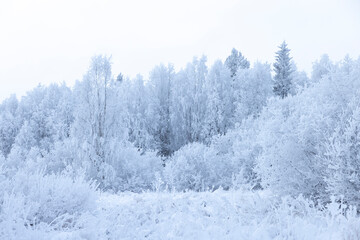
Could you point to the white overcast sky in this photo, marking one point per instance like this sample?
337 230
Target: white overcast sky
53 41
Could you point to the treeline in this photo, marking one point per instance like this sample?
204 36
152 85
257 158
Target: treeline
230 125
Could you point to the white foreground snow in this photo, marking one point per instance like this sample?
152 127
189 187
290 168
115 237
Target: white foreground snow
205 215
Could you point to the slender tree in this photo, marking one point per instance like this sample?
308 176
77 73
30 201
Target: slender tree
92 117
160 82
283 70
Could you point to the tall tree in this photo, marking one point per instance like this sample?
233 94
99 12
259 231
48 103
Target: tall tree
136 100
160 86
283 70
253 88
219 101
188 108
92 116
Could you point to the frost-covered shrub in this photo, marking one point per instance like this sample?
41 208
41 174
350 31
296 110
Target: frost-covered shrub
132 170
15 219
36 199
301 218
124 168
64 154
199 167
216 214
187 168
243 152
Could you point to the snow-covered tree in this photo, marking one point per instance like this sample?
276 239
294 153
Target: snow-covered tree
219 101
93 116
134 96
342 148
343 158
321 68
253 88
9 124
283 70
189 103
43 117
160 82
120 77
236 61
300 80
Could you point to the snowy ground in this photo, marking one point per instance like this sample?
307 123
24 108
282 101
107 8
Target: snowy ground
205 215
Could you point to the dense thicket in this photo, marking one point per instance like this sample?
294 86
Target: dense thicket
228 125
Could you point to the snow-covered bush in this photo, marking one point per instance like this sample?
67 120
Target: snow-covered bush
187 168
243 150
133 170
217 214
125 168
31 201
199 167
